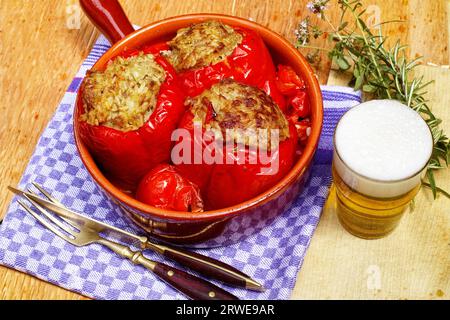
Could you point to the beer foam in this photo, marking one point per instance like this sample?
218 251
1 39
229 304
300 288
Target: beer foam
385 141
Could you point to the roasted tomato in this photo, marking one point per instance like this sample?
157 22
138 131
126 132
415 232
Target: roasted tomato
299 104
239 143
165 188
208 52
298 109
128 113
287 81
303 130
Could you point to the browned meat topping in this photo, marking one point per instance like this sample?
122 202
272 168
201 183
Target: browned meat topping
202 44
231 105
124 95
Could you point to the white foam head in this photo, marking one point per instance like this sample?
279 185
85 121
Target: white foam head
382 148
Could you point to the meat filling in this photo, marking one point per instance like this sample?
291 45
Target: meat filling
245 109
202 44
124 95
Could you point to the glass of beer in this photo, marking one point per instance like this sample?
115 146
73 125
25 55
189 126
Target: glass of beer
381 152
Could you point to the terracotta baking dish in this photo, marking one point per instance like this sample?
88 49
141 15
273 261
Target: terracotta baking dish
209 228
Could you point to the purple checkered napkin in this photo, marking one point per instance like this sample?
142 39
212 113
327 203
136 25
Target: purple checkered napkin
273 256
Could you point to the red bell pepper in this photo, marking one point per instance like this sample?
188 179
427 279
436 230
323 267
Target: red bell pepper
165 188
223 184
250 63
126 156
230 184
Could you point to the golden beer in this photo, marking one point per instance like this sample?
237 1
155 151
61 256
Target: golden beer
381 150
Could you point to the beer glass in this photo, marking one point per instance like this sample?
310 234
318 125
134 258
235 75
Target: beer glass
381 152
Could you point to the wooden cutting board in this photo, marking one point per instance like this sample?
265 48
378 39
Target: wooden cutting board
40 54
411 263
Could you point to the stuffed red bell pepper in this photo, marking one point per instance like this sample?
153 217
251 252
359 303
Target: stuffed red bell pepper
208 52
240 155
129 111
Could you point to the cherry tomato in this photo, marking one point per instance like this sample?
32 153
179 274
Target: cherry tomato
165 188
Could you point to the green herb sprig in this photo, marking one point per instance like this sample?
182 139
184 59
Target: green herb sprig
379 71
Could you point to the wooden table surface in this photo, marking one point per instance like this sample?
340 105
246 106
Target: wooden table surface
40 53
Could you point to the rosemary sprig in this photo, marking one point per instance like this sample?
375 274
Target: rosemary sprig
379 71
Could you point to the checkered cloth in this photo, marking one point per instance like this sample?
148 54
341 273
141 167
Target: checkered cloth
273 256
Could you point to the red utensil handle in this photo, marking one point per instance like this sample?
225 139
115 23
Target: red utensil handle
192 286
109 17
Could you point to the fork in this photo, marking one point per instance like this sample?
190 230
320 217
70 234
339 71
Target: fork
201 264
74 233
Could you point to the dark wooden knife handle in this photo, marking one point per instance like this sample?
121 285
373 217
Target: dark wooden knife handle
207 266
192 286
109 17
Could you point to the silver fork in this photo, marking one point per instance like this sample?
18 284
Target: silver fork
79 235
203 265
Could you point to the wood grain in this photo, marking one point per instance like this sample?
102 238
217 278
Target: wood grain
40 55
